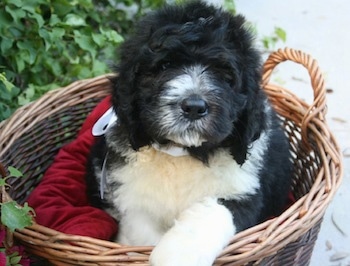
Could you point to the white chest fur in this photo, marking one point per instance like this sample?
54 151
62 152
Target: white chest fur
156 188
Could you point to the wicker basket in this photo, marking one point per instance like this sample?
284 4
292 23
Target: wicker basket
32 136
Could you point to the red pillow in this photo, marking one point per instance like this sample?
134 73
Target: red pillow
60 200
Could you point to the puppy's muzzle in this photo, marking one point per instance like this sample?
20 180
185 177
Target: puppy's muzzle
194 107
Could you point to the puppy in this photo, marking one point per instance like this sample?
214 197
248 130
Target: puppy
196 153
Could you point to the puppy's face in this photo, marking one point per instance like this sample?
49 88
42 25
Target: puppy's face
189 104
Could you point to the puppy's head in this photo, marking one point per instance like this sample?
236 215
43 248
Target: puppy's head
190 76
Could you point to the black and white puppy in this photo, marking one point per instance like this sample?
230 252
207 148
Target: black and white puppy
197 152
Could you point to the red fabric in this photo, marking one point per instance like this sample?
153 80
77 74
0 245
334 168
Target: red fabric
60 200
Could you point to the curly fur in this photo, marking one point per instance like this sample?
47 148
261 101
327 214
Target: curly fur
190 77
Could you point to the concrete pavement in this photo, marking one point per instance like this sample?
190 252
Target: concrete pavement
322 29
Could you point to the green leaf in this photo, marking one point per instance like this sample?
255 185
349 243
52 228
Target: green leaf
266 42
54 66
54 20
85 42
30 92
28 210
51 37
74 20
14 92
57 34
39 19
281 34
28 52
109 51
5 19
14 172
99 68
115 37
230 6
3 182
19 63
15 259
73 59
62 7
5 95
17 3
44 34
5 111
27 96
8 85
15 217
99 39
16 13
22 100
112 35
81 71
85 3
5 44
16 31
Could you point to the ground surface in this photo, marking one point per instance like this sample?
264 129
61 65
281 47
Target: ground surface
322 29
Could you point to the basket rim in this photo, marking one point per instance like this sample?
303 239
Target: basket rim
253 243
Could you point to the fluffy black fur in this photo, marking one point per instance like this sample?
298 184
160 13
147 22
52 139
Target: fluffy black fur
166 41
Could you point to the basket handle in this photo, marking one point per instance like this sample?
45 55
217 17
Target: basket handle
318 107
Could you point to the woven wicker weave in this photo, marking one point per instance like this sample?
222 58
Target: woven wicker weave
32 136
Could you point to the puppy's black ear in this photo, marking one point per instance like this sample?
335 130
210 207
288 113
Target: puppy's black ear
125 102
248 128
252 119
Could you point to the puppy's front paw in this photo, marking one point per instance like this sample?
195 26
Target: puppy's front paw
197 238
179 251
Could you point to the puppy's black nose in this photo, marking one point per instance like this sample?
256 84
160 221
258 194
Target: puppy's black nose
194 108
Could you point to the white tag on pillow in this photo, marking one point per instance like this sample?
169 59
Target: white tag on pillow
107 120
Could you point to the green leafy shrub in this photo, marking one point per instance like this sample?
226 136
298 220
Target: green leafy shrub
49 43
45 42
